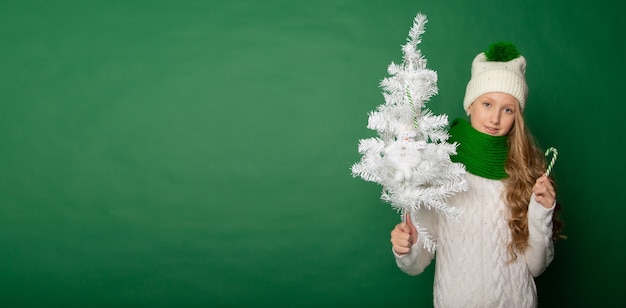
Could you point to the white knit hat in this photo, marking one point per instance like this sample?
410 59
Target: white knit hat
497 76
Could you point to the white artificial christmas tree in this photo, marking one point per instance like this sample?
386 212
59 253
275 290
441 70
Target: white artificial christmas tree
410 158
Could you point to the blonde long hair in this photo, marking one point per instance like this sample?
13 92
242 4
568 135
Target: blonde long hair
525 164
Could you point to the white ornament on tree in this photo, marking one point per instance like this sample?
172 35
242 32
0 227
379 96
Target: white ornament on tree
404 153
410 158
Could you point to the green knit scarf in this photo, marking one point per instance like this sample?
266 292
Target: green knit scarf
482 154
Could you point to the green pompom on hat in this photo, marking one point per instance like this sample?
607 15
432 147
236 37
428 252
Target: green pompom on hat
502 52
499 69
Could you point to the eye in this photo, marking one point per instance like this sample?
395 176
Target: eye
486 104
509 110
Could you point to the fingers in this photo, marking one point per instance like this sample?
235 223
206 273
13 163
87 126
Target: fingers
544 180
403 236
544 191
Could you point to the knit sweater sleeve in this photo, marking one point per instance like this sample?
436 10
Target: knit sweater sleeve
540 252
414 262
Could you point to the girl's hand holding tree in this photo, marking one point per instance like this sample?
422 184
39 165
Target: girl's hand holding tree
403 236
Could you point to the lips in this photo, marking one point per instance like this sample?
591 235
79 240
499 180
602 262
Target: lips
491 130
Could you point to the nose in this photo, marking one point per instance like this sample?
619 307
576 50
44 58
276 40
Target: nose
494 117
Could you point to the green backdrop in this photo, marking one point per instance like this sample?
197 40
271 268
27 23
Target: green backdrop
187 153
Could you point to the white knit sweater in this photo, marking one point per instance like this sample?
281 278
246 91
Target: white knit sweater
471 268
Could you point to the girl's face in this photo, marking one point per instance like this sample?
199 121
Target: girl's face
493 113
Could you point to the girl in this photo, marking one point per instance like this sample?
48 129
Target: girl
504 237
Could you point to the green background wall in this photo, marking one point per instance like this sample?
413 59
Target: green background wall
186 153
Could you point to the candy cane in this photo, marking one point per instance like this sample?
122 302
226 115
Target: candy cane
555 153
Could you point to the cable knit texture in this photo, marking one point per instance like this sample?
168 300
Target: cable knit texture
472 268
